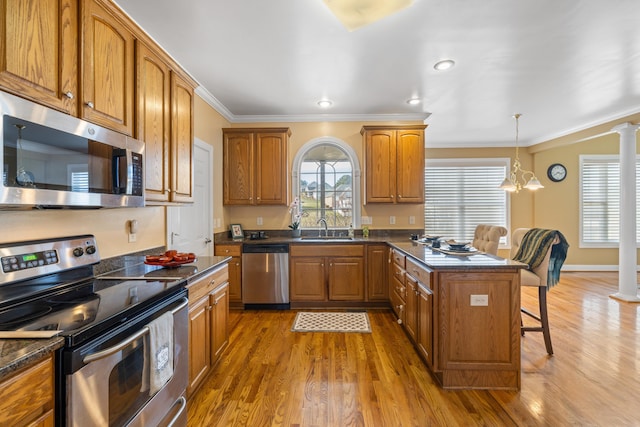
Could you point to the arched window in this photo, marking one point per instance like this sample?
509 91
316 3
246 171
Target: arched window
326 179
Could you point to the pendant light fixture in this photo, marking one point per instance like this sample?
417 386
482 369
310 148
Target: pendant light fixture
520 178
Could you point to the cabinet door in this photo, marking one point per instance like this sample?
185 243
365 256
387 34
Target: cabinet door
219 327
181 140
107 69
377 284
307 280
39 51
271 168
411 316
425 324
380 166
199 341
235 280
346 279
410 166
238 168
152 117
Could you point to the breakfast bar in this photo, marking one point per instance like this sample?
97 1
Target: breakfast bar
462 312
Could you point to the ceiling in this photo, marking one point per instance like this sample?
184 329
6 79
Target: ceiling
566 65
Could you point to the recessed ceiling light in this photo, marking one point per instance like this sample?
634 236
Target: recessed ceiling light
444 64
413 101
325 103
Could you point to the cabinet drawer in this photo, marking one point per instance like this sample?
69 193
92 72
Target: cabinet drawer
398 258
228 250
397 305
397 282
419 272
27 395
327 250
208 283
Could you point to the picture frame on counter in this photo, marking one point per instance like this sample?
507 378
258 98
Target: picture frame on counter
236 231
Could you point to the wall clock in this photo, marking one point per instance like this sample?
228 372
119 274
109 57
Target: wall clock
557 172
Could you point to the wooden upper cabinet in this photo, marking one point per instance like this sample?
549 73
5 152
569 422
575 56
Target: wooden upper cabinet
107 69
255 166
394 162
181 140
152 118
39 51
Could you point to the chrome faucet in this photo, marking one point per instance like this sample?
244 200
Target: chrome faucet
326 231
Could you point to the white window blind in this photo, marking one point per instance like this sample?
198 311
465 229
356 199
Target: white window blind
600 200
462 193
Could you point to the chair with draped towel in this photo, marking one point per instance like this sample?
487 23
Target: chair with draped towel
544 251
486 238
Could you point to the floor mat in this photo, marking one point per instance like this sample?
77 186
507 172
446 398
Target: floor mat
331 322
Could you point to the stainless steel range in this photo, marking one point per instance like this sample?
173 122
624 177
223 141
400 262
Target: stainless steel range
104 368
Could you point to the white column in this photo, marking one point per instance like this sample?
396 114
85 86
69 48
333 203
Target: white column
627 252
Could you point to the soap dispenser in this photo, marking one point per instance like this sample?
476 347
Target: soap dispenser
351 234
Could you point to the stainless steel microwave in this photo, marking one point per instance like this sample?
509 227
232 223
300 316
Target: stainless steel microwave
53 160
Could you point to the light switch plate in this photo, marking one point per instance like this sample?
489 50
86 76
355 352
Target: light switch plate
259 220
392 219
479 300
412 220
132 237
366 220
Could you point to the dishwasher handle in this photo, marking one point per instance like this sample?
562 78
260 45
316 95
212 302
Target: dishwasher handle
265 248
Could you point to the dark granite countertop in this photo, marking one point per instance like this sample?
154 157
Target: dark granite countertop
15 354
438 260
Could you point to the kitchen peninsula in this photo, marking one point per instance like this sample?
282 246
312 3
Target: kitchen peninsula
462 313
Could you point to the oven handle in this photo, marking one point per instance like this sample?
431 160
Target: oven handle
183 405
122 344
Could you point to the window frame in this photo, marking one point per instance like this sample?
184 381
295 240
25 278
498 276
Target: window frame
355 165
602 158
502 162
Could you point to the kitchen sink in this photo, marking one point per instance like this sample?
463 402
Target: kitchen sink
323 238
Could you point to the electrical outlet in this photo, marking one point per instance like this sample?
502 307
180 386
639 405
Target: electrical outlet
412 220
259 220
132 237
392 219
479 300
366 220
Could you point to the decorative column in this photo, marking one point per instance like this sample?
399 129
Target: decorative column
627 250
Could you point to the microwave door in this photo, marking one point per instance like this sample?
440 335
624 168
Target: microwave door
122 171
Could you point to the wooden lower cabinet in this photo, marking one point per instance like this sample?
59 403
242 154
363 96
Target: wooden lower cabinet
235 271
376 263
208 324
465 343
28 396
318 275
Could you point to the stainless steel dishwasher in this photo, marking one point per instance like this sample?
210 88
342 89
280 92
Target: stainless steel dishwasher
265 275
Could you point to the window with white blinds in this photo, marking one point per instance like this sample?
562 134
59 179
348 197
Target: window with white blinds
600 200
462 193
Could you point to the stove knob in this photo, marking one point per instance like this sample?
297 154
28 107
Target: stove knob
91 250
78 252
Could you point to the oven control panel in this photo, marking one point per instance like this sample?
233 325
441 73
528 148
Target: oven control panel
29 259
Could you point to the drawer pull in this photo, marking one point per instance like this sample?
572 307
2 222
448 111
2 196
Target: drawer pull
212 282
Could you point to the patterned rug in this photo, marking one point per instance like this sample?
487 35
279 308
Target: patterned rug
331 322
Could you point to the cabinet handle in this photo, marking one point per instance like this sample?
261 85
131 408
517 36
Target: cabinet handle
226 251
69 94
237 264
392 196
209 308
399 196
89 104
258 198
213 281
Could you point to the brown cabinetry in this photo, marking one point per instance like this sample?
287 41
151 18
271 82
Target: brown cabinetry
397 287
317 274
28 396
235 271
394 163
208 324
107 68
419 324
181 163
164 117
255 166
39 51
377 284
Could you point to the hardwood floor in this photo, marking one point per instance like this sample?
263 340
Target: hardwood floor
270 376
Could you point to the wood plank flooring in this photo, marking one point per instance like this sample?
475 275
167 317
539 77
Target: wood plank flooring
270 376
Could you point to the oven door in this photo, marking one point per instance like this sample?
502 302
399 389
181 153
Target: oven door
106 391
